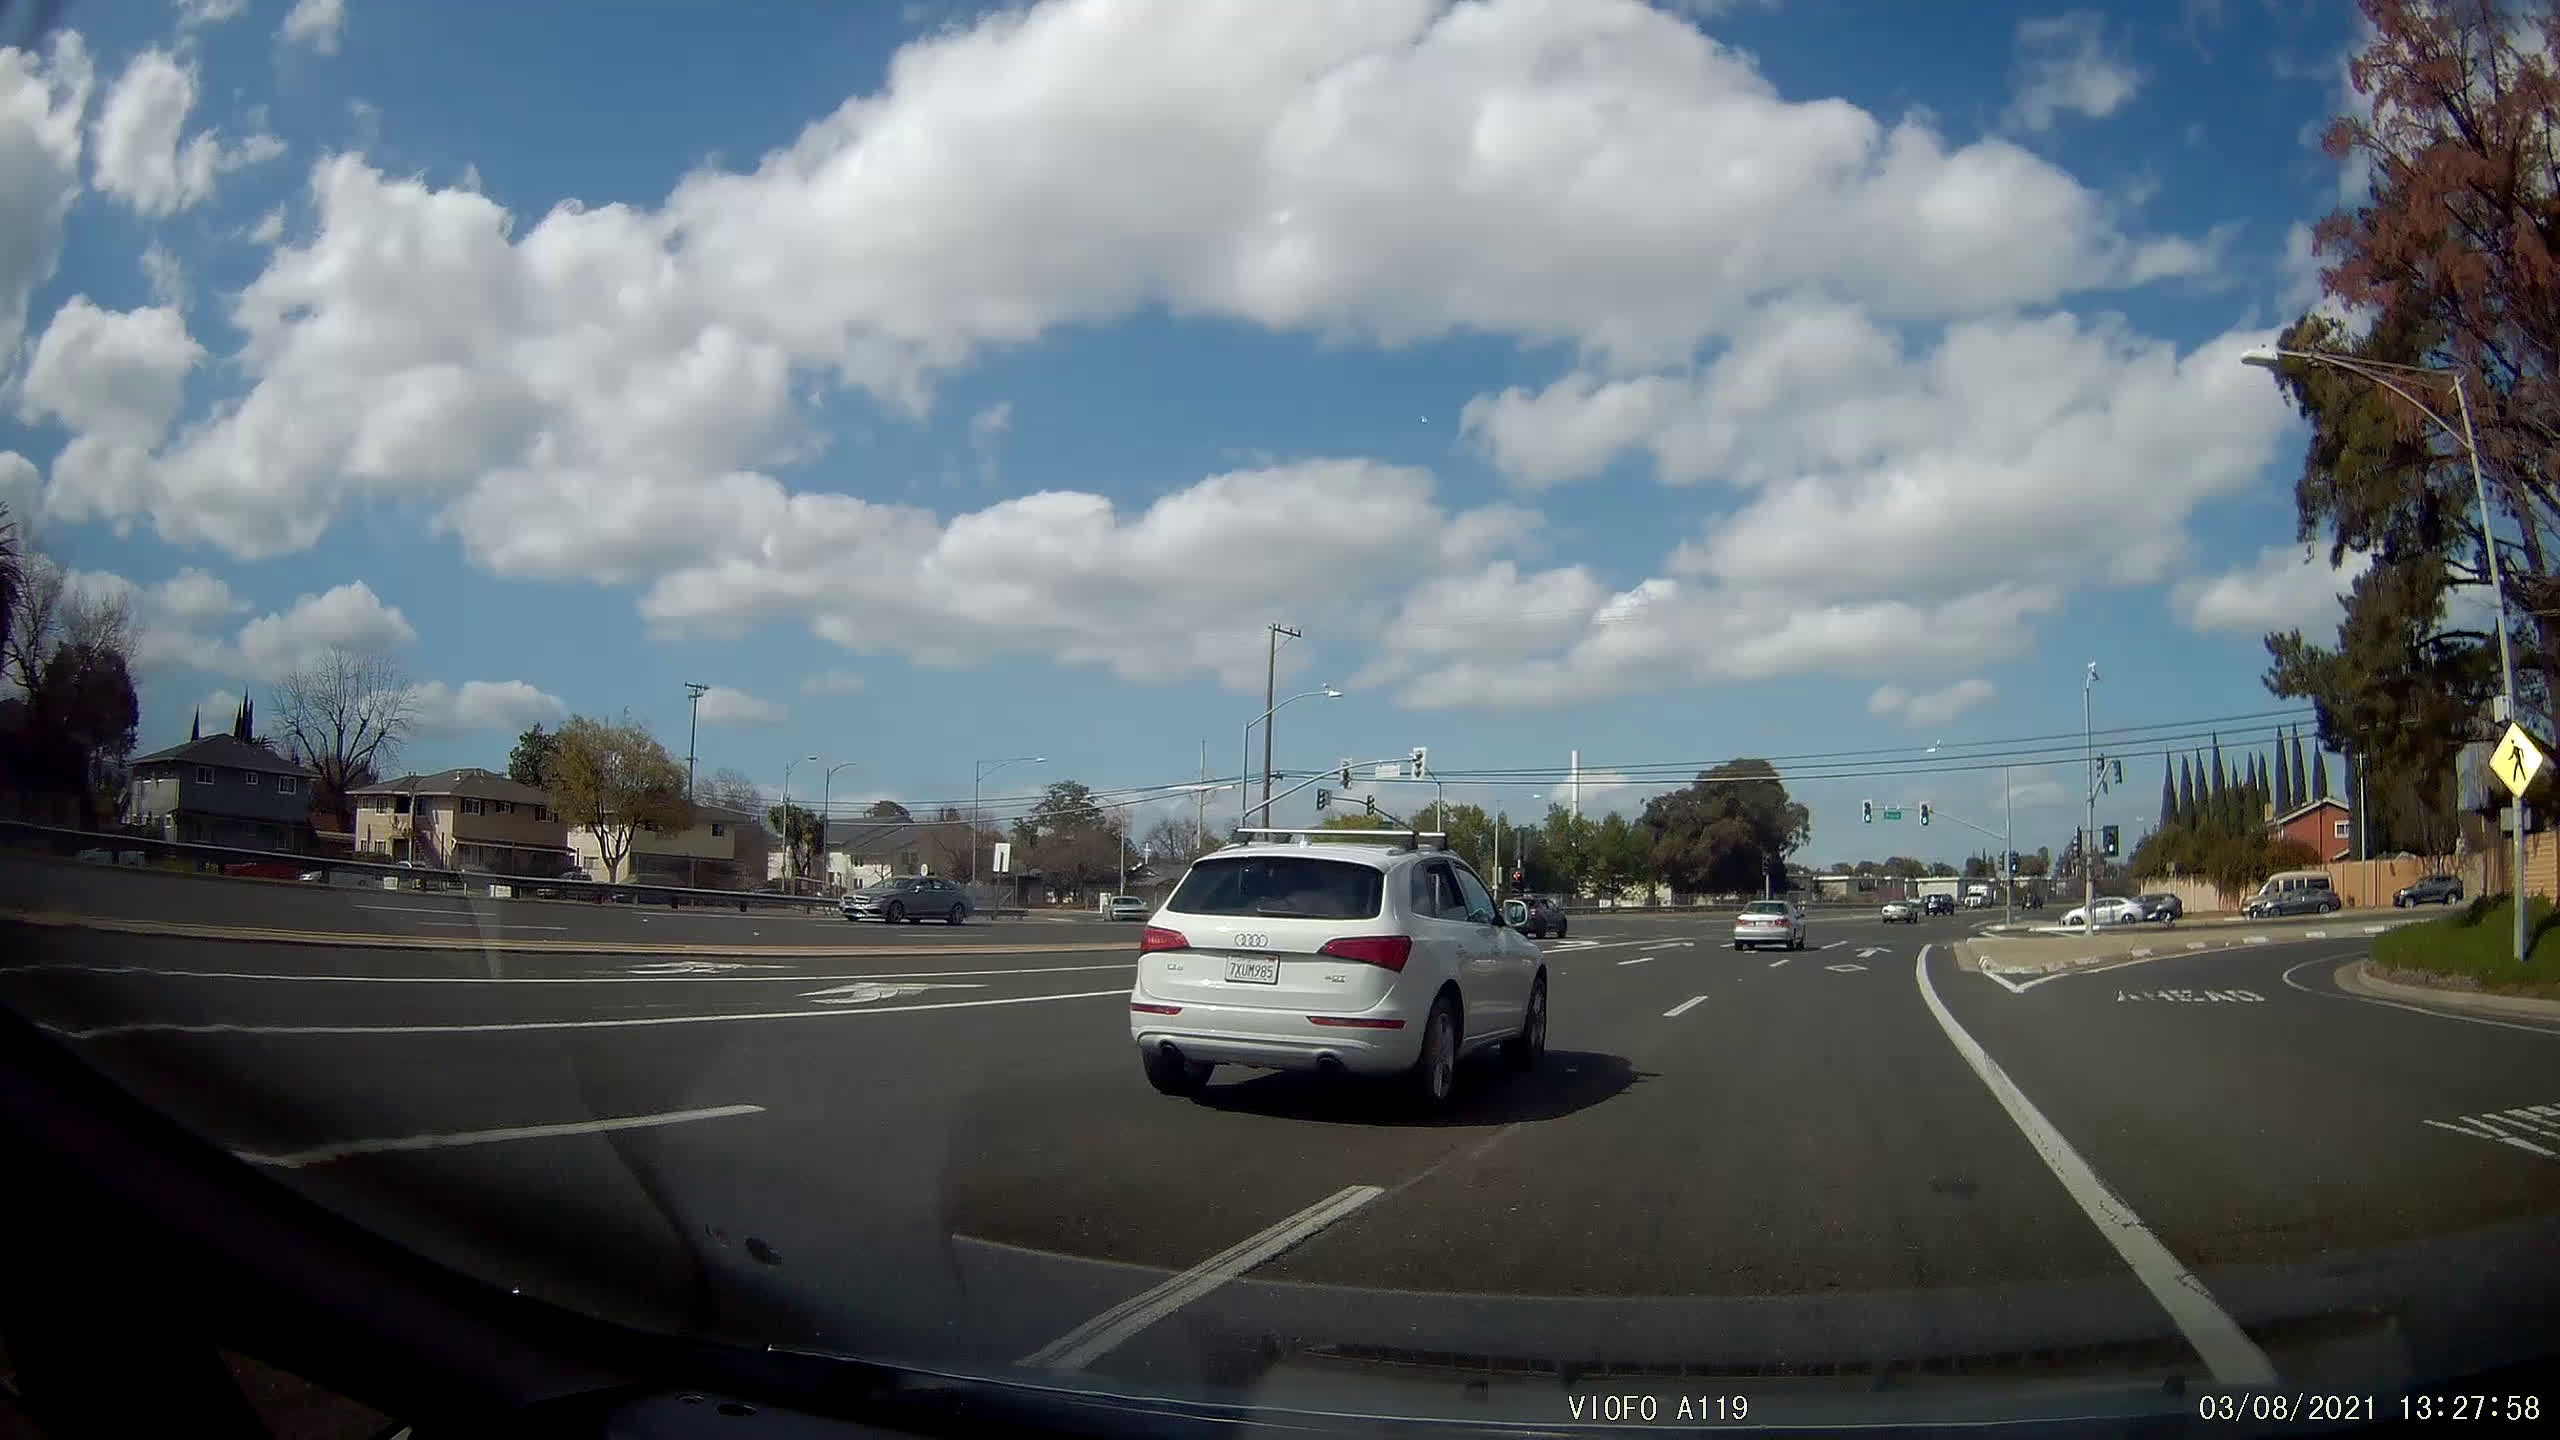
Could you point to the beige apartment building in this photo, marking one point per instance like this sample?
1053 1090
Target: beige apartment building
723 850
466 819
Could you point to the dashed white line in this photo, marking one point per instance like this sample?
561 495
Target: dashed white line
296 1159
1639 960
1834 945
1781 960
1114 1327
1684 1007
2227 1350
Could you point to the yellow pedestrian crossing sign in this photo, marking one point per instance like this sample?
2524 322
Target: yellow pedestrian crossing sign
2517 760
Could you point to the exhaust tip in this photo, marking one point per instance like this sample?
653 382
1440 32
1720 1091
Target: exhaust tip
1171 1052
1328 1065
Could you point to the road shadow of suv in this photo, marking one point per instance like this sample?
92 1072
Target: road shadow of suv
1564 1083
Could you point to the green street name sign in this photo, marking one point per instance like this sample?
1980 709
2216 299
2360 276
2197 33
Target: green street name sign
1893 812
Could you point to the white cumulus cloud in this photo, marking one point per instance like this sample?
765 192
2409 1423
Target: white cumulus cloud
346 617
502 706
722 705
2284 588
118 375
315 23
1935 707
144 157
41 103
2064 68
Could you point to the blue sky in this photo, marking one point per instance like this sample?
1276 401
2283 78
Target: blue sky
948 384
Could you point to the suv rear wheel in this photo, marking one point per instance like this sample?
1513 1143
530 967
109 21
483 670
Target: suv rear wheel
1172 1075
1434 1077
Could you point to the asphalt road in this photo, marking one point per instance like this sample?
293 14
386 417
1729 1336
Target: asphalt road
1860 1159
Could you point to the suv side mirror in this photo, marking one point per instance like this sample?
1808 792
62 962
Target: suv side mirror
1515 913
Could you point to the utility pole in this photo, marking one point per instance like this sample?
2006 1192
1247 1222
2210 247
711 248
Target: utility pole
2089 836
693 694
1270 687
1200 801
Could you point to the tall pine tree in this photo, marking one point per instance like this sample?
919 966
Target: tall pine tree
2319 773
2284 778
195 728
240 722
2301 777
2168 796
2186 793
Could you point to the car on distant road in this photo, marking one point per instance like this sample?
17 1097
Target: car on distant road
1537 916
2433 890
1127 907
1938 905
1769 922
1900 912
1340 957
2304 901
2161 906
911 898
2108 910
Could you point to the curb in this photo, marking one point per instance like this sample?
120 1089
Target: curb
2358 979
171 929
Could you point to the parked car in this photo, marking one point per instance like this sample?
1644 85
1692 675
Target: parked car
911 898
2108 910
2433 890
1338 957
1900 912
1938 905
1769 922
2162 906
1127 907
1536 916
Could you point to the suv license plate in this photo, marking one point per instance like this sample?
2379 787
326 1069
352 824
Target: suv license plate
1261 970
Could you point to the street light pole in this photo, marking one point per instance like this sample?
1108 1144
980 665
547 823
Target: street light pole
826 808
790 851
2380 373
1244 781
2008 848
693 694
979 770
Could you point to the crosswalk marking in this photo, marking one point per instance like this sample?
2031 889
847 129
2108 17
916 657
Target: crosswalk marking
2534 1129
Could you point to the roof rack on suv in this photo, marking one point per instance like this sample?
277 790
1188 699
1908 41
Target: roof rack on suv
1403 839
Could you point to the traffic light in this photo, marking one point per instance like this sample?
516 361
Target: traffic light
1346 774
1867 811
2111 840
1519 879
1324 801
1369 805
1421 762
1924 812
2119 772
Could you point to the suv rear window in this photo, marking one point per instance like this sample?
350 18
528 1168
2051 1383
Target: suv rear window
1282 886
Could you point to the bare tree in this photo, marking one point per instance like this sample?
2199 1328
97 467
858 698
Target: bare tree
346 715
35 623
730 788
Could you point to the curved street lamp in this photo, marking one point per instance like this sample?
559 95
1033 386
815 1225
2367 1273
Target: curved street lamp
979 771
1245 781
2389 376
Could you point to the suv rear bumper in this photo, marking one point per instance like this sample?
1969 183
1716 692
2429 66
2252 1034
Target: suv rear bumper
1273 1039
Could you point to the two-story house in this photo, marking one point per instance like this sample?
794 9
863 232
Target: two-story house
222 790
466 819
2325 824
723 850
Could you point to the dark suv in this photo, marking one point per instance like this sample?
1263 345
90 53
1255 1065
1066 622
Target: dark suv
1542 916
2433 890
1937 904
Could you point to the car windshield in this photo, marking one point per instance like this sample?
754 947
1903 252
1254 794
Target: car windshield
597 619
1281 886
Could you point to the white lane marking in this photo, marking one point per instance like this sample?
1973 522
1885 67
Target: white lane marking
1114 1327
156 1027
2012 986
2253 939
2375 929
2491 1135
1834 945
1684 1007
296 1159
699 967
2315 934
2402 1004
489 925
656 979
1672 945
1871 951
2227 1350
1845 967
1639 960
868 992
1781 960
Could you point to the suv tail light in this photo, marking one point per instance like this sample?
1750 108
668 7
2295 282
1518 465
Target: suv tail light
1387 952
1158 938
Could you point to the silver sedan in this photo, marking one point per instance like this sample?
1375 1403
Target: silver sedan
1769 922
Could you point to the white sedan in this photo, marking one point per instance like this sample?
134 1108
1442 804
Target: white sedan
1342 958
2110 910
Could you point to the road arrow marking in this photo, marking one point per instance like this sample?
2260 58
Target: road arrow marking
1684 1007
1874 950
1844 968
867 992
1671 945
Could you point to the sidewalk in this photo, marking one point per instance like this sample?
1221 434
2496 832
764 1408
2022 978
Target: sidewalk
2360 979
